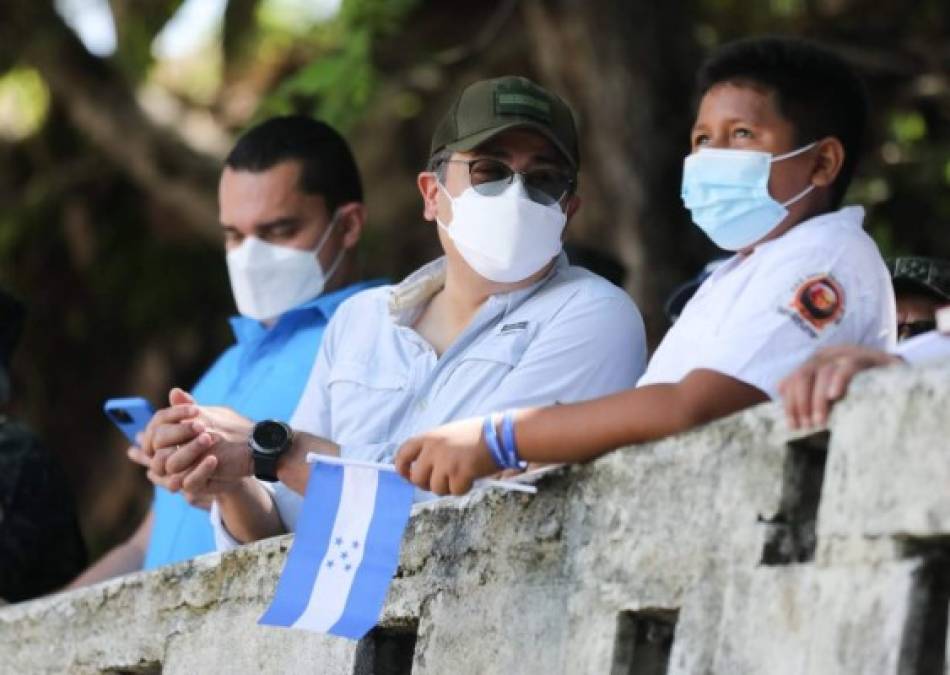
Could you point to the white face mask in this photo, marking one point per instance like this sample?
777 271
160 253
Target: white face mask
507 237
267 279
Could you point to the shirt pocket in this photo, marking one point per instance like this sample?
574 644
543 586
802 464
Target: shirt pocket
482 368
364 401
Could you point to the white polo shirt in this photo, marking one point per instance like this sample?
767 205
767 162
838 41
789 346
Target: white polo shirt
761 315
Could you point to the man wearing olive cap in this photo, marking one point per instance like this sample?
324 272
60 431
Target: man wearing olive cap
501 321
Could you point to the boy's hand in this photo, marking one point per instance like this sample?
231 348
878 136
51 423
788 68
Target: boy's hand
446 460
809 392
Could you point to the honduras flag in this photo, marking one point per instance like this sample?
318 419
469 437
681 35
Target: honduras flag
345 551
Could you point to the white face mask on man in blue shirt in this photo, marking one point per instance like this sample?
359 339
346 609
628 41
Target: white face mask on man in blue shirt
267 279
505 237
727 193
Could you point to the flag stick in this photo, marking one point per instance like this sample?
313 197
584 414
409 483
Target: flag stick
512 486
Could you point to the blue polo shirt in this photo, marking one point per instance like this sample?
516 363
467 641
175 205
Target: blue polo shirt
261 377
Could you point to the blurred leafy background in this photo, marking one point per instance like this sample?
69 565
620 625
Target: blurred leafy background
115 115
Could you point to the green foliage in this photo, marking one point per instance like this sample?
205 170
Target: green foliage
908 126
24 103
136 25
338 86
787 8
382 17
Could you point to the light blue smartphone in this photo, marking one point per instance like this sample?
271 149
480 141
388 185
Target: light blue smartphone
130 415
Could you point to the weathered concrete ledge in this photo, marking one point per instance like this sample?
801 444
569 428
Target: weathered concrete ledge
738 548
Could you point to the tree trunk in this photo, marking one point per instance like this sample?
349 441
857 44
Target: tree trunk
627 68
101 104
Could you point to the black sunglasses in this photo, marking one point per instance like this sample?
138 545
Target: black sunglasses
491 177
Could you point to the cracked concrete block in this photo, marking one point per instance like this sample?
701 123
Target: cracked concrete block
230 641
888 467
799 620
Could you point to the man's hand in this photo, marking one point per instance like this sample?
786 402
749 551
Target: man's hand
135 454
809 392
169 426
446 460
187 425
204 469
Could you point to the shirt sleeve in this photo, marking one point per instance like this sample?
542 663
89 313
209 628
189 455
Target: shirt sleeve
223 541
923 349
807 302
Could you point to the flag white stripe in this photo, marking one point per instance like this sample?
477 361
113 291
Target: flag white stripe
332 587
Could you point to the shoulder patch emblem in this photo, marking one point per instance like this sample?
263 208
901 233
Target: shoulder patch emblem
819 301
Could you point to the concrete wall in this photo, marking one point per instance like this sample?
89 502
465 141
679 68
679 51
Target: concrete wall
737 548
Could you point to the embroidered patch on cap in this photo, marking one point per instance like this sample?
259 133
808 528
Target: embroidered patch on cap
516 98
819 301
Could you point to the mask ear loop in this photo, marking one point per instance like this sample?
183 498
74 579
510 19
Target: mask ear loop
445 191
793 153
799 196
326 235
787 155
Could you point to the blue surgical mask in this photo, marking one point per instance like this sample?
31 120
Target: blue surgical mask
727 193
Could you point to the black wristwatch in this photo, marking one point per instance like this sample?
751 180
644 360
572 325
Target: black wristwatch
269 440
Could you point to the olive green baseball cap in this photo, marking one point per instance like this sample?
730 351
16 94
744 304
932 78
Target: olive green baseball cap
917 274
487 108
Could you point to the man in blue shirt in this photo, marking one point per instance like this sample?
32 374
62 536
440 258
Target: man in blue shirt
290 204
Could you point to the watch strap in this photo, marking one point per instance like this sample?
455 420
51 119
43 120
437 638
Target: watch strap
265 466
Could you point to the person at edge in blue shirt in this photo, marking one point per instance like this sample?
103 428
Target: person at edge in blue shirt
290 205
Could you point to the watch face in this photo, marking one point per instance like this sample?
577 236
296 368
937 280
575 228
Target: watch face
270 436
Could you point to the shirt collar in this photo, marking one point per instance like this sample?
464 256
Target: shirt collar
246 329
849 216
410 296
852 216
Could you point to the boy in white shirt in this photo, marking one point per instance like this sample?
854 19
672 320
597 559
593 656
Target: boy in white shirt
777 135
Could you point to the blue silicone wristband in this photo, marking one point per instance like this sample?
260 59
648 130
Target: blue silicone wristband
508 444
491 440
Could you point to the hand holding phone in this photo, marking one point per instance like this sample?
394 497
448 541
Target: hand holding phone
130 415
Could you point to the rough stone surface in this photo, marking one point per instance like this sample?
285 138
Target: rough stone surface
803 619
696 554
888 474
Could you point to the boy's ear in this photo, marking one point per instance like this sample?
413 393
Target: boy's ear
828 162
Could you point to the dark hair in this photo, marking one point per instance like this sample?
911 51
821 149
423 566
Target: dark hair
437 161
328 168
815 90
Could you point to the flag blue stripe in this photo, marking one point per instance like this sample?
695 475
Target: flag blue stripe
380 559
312 539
